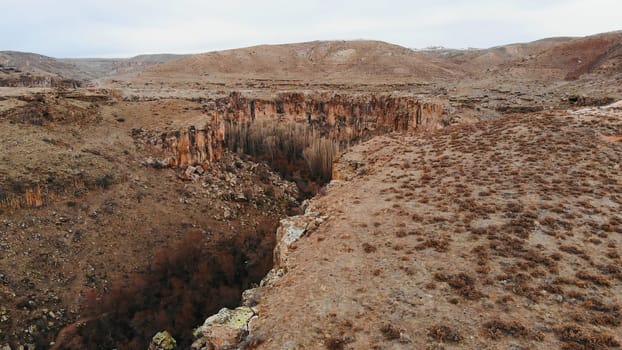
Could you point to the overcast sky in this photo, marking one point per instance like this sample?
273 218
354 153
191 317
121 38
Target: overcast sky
111 28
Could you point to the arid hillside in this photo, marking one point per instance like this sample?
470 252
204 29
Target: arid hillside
21 69
39 64
546 59
24 69
374 62
325 61
495 235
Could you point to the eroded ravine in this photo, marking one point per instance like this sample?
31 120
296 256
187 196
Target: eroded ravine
204 269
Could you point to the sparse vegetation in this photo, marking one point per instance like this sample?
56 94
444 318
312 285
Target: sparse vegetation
443 333
461 282
390 331
575 337
498 328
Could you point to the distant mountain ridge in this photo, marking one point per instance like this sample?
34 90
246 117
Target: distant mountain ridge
108 67
363 61
39 65
14 64
359 61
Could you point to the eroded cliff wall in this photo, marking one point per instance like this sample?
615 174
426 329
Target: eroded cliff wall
194 146
345 117
356 111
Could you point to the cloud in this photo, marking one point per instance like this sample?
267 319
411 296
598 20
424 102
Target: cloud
104 28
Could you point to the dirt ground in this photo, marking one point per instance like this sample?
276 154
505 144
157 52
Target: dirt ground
493 235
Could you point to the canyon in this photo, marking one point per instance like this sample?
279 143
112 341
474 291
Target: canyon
337 195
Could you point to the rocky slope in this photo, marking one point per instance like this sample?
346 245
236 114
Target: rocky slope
24 69
84 219
199 142
83 165
551 59
495 235
39 64
373 62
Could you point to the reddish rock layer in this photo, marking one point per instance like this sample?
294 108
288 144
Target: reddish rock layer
194 146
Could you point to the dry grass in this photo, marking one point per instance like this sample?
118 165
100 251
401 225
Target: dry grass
390 332
497 328
443 333
462 283
577 338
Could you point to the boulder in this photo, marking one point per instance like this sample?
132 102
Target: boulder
224 330
290 230
162 341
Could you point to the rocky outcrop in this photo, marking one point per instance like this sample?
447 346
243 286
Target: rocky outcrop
225 329
163 341
345 117
231 327
349 113
191 147
290 230
31 197
37 81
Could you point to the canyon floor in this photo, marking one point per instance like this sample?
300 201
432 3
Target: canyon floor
480 208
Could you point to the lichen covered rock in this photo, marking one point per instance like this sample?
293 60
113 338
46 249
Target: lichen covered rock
163 341
225 329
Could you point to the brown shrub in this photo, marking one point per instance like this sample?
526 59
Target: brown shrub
442 333
598 280
368 248
335 343
462 283
178 289
575 337
602 313
572 250
390 332
496 329
441 245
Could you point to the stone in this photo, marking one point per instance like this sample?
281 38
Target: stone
290 230
250 297
162 341
240 197
194 146
155 163
225 329
191 173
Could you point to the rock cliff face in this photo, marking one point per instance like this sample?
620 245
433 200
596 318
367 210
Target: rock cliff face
345 112
194 146
346 117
